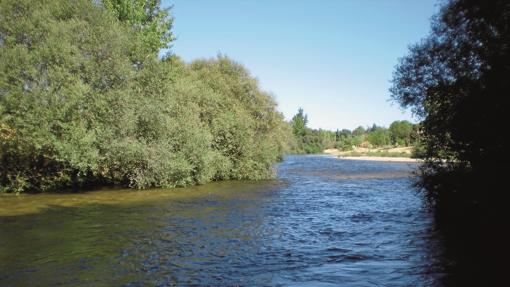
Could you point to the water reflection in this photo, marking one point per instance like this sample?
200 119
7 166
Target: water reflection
324 222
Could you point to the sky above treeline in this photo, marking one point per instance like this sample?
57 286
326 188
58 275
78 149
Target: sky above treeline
334 59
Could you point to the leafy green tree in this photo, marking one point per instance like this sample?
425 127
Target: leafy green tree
76 112
299 122
401 132
328 138
309 140
343 139
359 131
344 133
63 71
245 125
379 136
151 23
313 142
372 128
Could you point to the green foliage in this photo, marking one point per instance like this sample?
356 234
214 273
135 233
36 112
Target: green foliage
245 125
401 132
358 131
62 64
299 122
379 136
343 134
308 140
75 111
151 24
328 138
312 142
343 139
419 150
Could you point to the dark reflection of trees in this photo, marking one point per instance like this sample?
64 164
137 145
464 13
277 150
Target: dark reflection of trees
456 80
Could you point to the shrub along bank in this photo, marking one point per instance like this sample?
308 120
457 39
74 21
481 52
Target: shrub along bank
85 100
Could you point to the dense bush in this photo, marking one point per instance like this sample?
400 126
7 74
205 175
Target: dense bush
84 100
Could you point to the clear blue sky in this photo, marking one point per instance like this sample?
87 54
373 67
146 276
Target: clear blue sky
332 58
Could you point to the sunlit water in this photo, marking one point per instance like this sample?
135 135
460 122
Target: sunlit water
323 222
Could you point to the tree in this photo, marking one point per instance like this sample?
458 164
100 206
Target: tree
456 80
372 128
343 139
299 122
309 140
328 138
401 132
342 134
379 136
64 78
359 131
76 112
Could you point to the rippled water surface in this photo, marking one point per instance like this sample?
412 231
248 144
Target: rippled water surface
323 222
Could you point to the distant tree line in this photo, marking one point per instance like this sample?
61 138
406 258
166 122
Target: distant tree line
307 140
85 100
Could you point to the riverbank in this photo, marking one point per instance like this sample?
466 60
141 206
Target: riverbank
399 154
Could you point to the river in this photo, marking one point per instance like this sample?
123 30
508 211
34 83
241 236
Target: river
322 222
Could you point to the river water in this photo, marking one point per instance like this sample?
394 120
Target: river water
322 222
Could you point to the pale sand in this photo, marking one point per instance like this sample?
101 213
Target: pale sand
344 155
381 158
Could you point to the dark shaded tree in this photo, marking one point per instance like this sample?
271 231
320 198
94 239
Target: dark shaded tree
456 80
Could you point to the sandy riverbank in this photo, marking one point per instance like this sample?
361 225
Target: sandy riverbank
361 151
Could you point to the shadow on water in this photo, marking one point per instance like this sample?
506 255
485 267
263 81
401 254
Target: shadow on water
324 222
474 248
470 213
